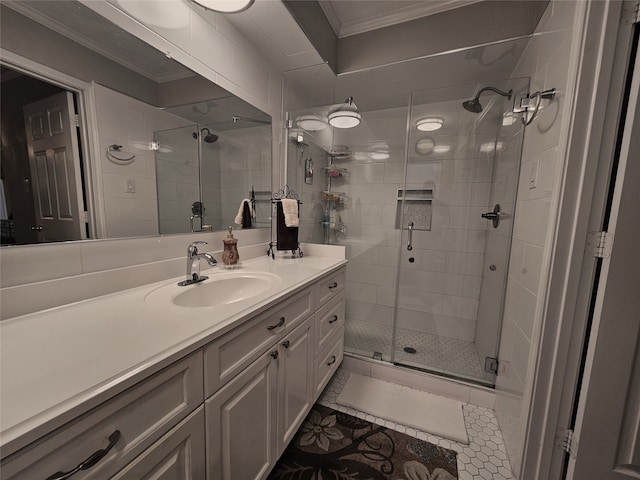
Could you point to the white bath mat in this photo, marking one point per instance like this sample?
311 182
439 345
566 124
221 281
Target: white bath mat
412 408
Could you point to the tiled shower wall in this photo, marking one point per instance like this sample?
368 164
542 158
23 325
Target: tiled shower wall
130 123
246 155
545 60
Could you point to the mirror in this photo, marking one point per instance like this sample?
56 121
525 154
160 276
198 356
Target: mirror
158 148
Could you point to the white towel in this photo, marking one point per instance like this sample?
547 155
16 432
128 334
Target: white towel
238 219
290 210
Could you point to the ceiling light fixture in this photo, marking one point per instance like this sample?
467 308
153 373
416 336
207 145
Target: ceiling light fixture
346 115
311 123
224 6
429 124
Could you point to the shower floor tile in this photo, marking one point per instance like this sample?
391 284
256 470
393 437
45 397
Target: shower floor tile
432 352
485 458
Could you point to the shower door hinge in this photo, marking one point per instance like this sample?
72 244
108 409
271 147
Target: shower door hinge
599 244
491 365
76 119
567 441
154 146
288 124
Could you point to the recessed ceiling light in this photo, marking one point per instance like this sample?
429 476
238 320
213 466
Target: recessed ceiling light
429 124
225 6
346 115
311 123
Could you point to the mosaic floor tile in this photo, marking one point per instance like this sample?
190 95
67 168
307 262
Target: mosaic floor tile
432 352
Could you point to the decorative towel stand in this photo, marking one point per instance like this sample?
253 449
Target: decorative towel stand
284 192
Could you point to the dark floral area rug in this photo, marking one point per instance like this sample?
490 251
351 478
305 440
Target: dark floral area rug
332 445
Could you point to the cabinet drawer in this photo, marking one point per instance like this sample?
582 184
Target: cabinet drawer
179 455
142 415
329 319
328 361
226 357
330 286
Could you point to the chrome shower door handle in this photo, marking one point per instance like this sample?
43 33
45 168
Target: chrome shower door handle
409 243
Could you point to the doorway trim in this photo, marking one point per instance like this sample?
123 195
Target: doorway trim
88 123
597 95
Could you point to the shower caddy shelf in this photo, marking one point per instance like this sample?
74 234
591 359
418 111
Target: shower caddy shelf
333 198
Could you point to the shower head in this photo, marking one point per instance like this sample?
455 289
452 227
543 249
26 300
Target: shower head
474 106
209 137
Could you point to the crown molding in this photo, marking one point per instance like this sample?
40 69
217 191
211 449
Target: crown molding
400 15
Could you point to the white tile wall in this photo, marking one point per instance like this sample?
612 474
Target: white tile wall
546 61
130 123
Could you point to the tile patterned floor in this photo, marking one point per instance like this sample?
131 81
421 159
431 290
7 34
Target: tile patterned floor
440 354
485 457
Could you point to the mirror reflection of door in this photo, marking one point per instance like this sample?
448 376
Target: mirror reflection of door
19 213
54 160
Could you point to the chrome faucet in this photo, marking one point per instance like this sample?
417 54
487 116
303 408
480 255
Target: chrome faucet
193 264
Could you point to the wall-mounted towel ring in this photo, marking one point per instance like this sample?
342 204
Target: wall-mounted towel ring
529 112
118 160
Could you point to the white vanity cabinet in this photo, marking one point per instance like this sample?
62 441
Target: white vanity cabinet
224 411
130 423
254 416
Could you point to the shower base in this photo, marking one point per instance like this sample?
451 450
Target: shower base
443 355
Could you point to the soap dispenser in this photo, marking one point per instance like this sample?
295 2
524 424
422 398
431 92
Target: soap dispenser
230 255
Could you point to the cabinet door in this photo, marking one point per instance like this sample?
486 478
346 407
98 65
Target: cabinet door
295 381
240 417
179 455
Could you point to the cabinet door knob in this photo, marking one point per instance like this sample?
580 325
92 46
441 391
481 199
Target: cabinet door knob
91 460
333 285
332 361
277 325
334 319
286 344
274 354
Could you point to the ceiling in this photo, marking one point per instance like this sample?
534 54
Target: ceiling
350 17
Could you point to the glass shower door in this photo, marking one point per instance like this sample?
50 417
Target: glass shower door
453 262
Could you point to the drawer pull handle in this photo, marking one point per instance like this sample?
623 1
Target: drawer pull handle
333 285
286 344
333 360
90 461
274 354
277 325
334 319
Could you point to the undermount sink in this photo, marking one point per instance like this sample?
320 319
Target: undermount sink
221 288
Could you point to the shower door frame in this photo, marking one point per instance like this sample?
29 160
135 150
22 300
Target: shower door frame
489 380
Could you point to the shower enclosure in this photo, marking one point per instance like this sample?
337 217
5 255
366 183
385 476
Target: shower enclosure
205 171
424 195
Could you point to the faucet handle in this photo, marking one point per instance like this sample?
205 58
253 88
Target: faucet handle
193 247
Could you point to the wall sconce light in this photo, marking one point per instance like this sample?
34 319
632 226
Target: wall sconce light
346 115
224 6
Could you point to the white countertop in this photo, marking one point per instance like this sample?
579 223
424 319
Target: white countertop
58 362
